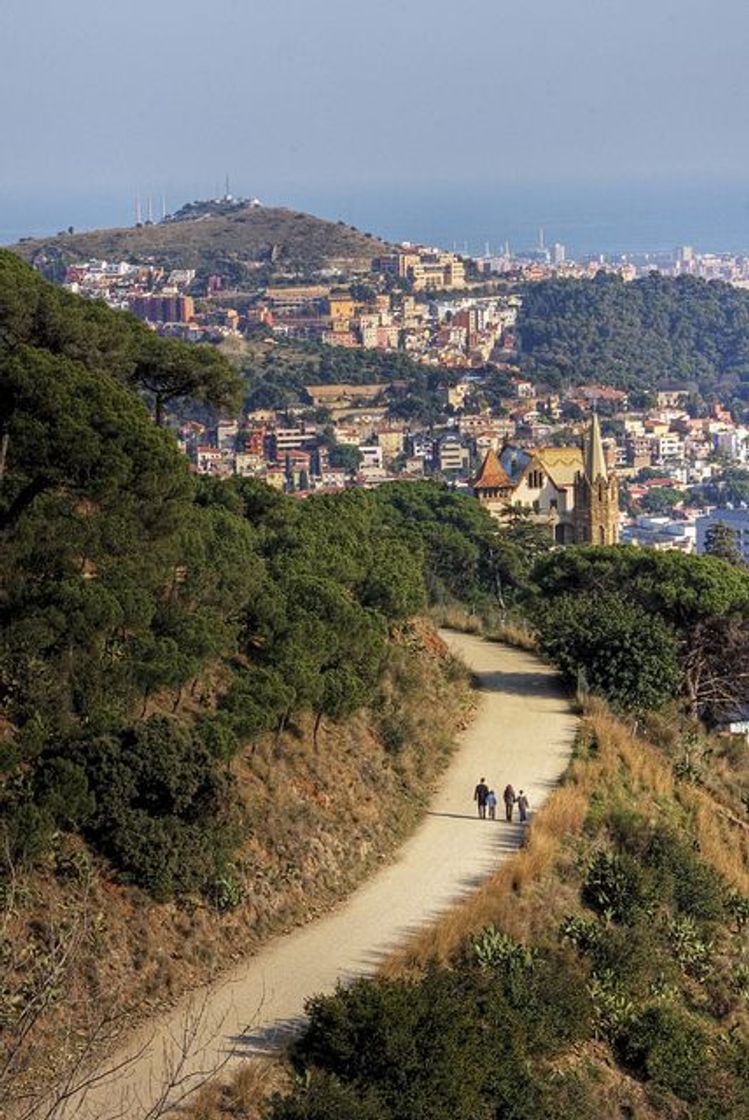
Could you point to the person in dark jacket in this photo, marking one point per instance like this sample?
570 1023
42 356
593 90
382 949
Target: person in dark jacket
523 806
480 795
509 799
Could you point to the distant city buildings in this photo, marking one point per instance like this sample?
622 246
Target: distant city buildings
492 429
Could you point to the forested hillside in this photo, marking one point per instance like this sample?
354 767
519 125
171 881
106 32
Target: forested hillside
639 335
122 577
276 370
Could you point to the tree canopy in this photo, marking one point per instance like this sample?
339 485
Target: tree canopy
637 336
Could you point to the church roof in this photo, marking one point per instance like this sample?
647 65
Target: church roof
561 464
492 475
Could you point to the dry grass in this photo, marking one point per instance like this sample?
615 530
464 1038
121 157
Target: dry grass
509 898
532 890
514 633
244 1095
497 628
457 618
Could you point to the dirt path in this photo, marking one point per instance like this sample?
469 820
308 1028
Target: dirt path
522 734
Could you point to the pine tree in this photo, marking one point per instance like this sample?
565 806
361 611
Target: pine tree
721 541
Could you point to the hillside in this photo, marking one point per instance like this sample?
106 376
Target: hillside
243 243
216 709
637 336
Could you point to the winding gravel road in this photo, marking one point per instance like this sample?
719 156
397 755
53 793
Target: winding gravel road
522 733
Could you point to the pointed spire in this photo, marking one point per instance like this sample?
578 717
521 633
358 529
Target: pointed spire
595 460
492 475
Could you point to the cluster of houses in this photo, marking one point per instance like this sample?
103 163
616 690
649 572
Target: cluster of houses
526 449
529 453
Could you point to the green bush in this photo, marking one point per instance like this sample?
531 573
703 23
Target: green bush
163 812
226 892
417 1045
26 834
324 1097
61 788
626 653
664 1045
615 886
696 888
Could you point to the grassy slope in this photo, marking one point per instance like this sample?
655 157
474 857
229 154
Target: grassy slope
616 771
294 240
320 821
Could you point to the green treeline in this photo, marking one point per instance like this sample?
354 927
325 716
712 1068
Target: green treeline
637 336
275 375
645 628
37 315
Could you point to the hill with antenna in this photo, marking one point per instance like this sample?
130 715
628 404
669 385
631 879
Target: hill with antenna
240 239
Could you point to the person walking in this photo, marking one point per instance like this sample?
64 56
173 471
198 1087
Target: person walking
509 799
480 795
523 806
491 804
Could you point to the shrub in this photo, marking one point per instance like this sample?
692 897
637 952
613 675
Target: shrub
225 893
164 814
325 1098
417 1044
614 886
26 834
218 737
627 654
665 1045
696 888
61 788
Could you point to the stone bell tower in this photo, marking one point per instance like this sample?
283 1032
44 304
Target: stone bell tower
596 510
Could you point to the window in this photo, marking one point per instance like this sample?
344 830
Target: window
535 479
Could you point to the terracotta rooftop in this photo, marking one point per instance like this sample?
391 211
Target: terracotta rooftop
492 475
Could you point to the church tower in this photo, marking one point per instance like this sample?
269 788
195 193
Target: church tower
596 508
492 485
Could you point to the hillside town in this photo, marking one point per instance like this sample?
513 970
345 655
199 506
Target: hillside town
670 467
455 315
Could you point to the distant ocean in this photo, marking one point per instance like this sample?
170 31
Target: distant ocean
588 219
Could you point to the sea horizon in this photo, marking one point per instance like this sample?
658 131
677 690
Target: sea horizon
589 219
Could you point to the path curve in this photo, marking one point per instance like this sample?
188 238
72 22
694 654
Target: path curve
522 733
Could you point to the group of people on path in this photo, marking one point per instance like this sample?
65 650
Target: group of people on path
486 802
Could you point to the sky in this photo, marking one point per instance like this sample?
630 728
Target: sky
343 105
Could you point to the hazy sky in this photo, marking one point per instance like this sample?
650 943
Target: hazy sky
296 97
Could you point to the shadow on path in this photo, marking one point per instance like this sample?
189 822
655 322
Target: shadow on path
519 684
